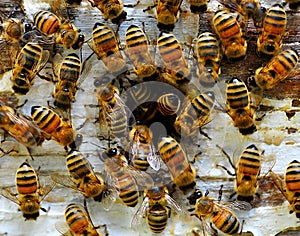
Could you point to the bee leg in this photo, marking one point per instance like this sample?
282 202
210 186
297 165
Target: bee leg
242 226
21 105
149 8
220 193
30 153
204 134
229 159
45 210
228 172
232 195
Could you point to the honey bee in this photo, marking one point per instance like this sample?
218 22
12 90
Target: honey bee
124 178
168 104
112 10
171 54
209 59
172 154
105 45
78 222
239 106
274 27
113 116
65 88
276 70
138 52
54 126
230 33
198 6
31 59
20 127
195 114
293 4
167 13
246 172
66 34
156 208
290 186
247 9
142 150
221 217
30 193
82 177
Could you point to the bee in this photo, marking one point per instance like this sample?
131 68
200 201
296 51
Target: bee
276 70
209 58
167 13
198 6
124 178
30 193
273 31
156 208
113 116
30 60
246 172
81 176
78 222
171 54
247 9
239 106
65 88
66 34
105 45
230 33
138 52
195 114
20 127
54 126
112 10
221 217
172 154
290 186
142 150
168 104
293 4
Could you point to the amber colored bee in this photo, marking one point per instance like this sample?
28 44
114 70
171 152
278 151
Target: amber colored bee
30 193
13 30
239 106
105 45
171 54
276 70
223 219
293 4
125 179
247 9
168 104
53 125
78 222
230 34
209 58
289 187
156 208
81 176
20 127
113 115
198 6
246 172
31 59
167 13
66 87
195 114
273 31
66 34
112 10
138 52
172 154
142 150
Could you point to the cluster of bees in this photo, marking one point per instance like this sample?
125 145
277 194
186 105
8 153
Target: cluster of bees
138 158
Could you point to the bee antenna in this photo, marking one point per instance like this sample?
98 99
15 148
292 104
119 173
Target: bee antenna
206 193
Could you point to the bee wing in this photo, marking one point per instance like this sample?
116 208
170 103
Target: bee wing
43 61
8 53
153 159
64 180
143 179
237 206
110 195
137 220
63 228
175 205
267 164
47 189
5 192
231 5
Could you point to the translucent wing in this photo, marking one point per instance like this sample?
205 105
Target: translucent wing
174 205
63 228
230 4
43 61
110 195
143 179
6 192
64 180
137 220
153 159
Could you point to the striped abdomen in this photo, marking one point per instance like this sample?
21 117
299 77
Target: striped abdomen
157 218
237 94
46 22
225 221
26 179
